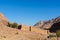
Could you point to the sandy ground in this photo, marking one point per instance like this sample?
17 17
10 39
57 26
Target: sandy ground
7 33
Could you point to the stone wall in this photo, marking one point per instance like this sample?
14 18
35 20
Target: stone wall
33 29
25 28
38 30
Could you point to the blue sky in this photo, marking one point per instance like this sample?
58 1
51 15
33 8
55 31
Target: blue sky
30 12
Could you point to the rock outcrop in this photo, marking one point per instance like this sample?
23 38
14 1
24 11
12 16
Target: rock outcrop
3 19
47 24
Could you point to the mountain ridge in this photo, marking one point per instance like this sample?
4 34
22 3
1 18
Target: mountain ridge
47 24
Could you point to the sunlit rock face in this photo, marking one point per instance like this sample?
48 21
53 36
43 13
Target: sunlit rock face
39 24
3 19
47 24
57 19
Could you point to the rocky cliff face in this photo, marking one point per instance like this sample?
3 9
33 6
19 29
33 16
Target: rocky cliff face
3 19
47 24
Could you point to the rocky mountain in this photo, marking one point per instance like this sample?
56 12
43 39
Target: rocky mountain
57 19
47 24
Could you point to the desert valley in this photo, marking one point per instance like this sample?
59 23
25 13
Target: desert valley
42 30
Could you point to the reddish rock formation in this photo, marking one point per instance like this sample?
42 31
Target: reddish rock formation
3 19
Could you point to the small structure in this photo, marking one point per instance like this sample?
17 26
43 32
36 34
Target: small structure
20 26
24 27
32 29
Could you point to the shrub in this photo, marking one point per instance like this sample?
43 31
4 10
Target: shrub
13 25
50 36
9 24
58 33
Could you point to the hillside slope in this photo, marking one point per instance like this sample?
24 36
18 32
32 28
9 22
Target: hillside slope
47 24
7 33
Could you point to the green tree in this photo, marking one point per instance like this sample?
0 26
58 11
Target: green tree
14 25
